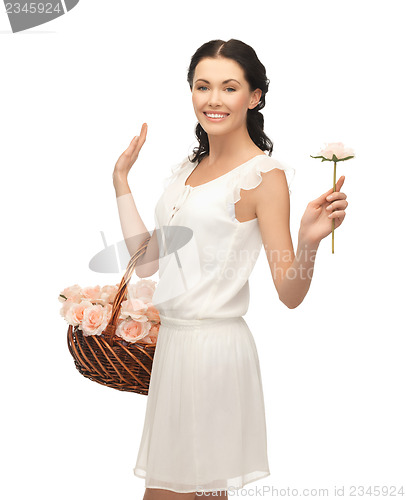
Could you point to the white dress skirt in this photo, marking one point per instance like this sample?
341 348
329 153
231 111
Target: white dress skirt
205 424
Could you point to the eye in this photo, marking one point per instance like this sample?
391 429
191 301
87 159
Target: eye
228 88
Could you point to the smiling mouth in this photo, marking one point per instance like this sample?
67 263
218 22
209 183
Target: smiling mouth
216 116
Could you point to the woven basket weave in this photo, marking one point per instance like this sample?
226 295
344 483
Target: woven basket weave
109 359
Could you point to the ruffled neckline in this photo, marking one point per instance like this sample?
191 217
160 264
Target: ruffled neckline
189 173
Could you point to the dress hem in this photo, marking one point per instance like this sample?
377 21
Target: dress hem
142 474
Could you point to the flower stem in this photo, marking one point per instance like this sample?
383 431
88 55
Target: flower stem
334 188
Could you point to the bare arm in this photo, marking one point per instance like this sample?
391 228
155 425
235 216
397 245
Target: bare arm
296 282
133 228
273 212
315 225
292 273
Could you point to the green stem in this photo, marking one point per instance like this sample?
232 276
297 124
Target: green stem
334 188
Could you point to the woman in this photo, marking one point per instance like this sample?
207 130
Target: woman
204 427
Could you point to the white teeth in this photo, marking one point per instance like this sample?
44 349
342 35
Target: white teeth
212 115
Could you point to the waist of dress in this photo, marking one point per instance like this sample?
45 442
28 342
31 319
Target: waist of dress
168 321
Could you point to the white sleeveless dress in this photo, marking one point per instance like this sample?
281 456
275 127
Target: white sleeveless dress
204 427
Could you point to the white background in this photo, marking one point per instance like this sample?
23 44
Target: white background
74 92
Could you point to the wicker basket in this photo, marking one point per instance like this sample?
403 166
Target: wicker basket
107 358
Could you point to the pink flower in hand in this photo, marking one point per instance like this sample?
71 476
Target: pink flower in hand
335 152
335 148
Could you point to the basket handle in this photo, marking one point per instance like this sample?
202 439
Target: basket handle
122 290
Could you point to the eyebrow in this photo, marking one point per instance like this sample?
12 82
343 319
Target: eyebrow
225 81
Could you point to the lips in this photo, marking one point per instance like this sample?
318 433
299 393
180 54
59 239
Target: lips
220 119
215 113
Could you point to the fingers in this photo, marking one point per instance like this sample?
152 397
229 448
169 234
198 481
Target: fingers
337 195
144 130
322 199
133 145
139 140
134 140
337 202
340 204
143 135
337 214
340 183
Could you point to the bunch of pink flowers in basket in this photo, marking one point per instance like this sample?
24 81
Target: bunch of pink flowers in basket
90 309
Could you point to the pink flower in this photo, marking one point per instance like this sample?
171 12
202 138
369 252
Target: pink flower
91 292
336 152
143 289
95 319
102 302
133 331
108 293
67 304
135 309
152 313
91 308
152 337
336 148
74 293
109 309
74 314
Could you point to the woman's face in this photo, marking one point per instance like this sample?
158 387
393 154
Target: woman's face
219 87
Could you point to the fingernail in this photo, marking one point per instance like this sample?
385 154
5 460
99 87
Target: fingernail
329 197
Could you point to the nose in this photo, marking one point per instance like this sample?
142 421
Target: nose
214 99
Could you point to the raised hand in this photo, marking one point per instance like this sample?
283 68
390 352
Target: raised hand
316 222
130 155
